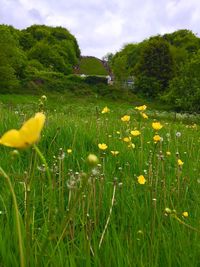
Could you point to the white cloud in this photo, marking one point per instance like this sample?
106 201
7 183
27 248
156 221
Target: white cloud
102 26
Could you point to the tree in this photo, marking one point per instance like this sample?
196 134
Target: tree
8 79
12 58
183 39
156 61
119 67
55 48
49 58
184 89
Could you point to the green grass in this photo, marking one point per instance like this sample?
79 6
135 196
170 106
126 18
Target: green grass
64 218
92 66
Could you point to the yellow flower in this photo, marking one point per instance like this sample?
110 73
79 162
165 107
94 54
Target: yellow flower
168 153
157 138
135 132
127 139
27 135
185 214
102 146
43 98
141 108
125 118
141 179
105 110
69 150
156 126
131 145
144 115
180 162
114 153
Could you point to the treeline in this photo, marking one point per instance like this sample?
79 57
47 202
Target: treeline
35 56
165 67
41 57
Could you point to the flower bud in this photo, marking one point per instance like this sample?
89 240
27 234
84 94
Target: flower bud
92 160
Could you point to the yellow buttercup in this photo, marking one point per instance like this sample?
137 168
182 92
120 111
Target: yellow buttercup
27 135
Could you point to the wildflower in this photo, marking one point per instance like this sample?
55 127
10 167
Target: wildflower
180 162
178 134
156 126
114 153
141 179
42 168
69 150
61 154
127 139
135 133
125 118
117 132
185 214
102 146
141 108
92 159
168 211
168 153
27 135
105 110
131 145
144 115
43 98
157 138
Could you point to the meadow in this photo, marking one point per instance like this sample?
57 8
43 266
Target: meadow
109 183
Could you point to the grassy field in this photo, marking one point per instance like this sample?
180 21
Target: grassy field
136 204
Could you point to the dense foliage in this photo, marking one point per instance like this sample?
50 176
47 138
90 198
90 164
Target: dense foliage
34 52
184 89
164 67
42 57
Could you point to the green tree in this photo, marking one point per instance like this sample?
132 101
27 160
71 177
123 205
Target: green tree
119 67
8 79
12 58
184 39
49 57
126 60
157 62
184 89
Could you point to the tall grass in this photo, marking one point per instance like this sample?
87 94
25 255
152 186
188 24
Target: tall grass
73 212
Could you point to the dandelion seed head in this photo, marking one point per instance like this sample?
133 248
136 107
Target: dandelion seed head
178 134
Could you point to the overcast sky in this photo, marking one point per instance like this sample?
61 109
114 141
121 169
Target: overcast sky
103 26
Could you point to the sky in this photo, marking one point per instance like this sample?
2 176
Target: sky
104 26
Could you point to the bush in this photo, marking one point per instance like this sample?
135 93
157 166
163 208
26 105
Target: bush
93 80
184 90
75 78
147 86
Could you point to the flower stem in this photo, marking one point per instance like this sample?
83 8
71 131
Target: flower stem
41 156
109 216
17 215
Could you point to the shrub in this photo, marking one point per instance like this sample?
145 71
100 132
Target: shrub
93 80
147 86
